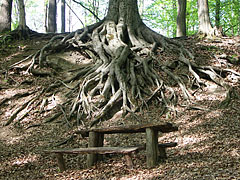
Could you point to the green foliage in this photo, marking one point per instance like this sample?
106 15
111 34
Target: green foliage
192 17
230 16
160 15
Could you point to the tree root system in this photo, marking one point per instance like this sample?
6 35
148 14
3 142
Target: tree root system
126 68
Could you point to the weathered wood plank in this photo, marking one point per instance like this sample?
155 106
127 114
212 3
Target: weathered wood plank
164 128
97 150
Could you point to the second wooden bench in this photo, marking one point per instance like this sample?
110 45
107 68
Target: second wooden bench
126 151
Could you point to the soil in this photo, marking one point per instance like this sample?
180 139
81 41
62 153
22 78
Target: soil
208 137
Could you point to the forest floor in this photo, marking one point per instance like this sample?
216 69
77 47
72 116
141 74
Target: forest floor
208 137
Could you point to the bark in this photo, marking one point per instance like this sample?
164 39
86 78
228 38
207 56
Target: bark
63 16
205 26
181 18
52 13
22 16
217 14
5 15
124 10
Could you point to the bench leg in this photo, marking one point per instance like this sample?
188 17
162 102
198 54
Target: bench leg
151 147
95 140
162 153
129 160
60 162
100 144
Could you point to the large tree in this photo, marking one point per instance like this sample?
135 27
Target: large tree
125 70
5 15
205 26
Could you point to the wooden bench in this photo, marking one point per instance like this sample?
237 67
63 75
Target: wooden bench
152 131
126 151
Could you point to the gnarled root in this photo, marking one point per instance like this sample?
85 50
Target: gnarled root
125 69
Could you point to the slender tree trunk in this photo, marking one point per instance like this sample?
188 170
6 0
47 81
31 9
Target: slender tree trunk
22 15
238 14
205 26
46 17
69 16
63 15
181 18
52 14
174 6
217 14
5 15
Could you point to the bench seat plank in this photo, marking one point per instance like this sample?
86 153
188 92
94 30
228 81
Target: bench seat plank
164 128
98 150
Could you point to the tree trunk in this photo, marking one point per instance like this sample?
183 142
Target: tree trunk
205 26
124 10
217 14
22 16
63 16
125 15
5 15
52 14
174 6
181 18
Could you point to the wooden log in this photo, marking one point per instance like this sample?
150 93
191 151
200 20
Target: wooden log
60 162
151 147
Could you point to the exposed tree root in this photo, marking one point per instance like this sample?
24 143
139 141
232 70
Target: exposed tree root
25 106
125 70
231 94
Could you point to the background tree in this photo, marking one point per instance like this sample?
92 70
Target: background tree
63 15
5 15
22 30
217 14
205 26
181 18
52 16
